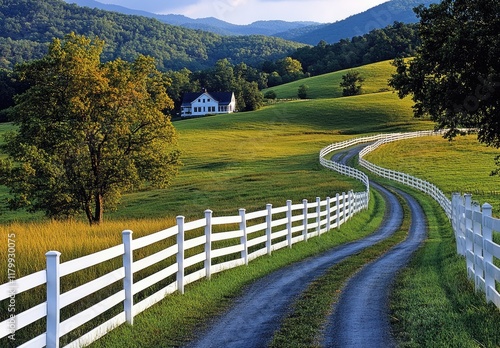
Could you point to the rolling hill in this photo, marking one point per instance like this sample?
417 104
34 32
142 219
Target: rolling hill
328 85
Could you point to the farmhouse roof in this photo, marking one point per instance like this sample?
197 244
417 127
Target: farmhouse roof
224 98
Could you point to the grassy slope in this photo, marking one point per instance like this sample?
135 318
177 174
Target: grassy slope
463 165
328 85
267 156
433 302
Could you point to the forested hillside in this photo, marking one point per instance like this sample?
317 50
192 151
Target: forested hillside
397 40
27 27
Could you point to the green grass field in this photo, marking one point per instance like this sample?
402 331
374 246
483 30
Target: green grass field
462 165
328 85
242 160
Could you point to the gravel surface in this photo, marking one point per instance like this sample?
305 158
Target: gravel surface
256 314
361 317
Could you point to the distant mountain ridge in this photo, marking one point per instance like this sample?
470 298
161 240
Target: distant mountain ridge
210 24
304 32
357 25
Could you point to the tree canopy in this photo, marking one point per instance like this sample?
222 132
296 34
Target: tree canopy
351 83
397 40
455 76
87 131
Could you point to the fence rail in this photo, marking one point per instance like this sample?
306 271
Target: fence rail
472 227
241 239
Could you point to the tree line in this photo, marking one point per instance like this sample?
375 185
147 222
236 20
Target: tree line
246 79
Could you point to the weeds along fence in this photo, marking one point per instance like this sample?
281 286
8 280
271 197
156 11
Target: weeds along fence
178 256
473 227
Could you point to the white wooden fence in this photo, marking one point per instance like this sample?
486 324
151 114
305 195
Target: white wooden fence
474 236
473 229
246 235
257 233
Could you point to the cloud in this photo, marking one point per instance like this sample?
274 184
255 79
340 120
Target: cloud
248 11
153 6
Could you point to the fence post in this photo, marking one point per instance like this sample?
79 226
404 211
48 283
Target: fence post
469 244
53 297
269 228
489 280
356 202
244 238
455 198
337 218
351 203
328 213
289 222
461 225
180 254
344 207
128 280
477 247
304 221
208 243
318 215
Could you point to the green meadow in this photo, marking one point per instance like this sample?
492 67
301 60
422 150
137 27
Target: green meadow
245 160
249 159
462 165
328 85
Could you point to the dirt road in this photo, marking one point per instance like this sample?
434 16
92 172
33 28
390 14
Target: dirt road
256 314
361 317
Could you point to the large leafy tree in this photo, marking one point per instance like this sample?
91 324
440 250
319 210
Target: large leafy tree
455 76
352 83
87 131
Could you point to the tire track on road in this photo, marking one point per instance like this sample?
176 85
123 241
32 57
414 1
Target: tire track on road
361 316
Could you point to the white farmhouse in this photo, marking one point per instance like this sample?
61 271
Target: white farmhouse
204 103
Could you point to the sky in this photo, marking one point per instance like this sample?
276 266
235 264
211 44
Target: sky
248 11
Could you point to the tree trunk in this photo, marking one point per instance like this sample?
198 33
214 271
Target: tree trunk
88 212
96 217
99 209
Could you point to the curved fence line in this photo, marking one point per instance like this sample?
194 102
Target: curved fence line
473 227
194 250
198 249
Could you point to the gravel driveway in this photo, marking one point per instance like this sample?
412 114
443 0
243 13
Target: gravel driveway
361 314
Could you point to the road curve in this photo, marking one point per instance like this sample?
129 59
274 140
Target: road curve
361 317
257 313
